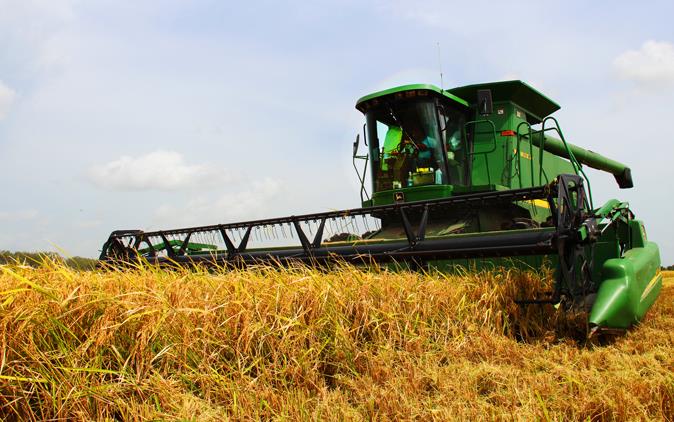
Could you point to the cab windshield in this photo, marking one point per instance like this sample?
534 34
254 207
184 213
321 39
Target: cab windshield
406 145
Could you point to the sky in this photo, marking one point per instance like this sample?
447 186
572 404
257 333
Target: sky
136 114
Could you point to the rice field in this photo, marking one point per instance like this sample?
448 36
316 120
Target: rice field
301 344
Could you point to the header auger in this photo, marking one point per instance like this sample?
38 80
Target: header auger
467 177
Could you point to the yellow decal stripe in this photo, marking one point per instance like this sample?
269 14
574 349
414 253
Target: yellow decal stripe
523 154
651 284
539 203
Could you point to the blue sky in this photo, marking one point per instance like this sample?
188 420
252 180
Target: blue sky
120 114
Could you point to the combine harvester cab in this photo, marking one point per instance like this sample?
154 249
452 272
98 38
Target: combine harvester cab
476 177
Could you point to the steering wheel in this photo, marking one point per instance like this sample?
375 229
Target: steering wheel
405 142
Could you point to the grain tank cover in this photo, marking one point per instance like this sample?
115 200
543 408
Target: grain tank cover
537 105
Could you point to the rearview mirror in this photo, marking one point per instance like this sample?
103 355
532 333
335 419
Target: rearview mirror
484 102
355 145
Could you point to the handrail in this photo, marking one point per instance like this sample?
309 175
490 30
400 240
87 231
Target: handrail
574 162
484 153
531 153
576 165
362 179
365 157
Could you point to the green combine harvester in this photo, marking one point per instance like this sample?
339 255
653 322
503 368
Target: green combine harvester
474 177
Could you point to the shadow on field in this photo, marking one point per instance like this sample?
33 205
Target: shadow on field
537 323
555 327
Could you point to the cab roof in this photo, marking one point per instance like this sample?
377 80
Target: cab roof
365 102
537 105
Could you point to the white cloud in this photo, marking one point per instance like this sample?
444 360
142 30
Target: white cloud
652 64
42 10
23 215
7 96
159 170
34 28
254 201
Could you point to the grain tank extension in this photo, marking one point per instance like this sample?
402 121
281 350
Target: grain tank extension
476 176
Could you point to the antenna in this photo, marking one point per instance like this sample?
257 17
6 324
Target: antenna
442 87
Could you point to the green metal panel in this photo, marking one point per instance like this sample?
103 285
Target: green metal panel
417 193
629 287
486 264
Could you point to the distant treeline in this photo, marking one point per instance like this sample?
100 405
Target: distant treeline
669 268
34 259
